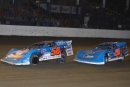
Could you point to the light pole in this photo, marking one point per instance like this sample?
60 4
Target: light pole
14 2
61 8
48 9
3 8
127 4
71 12
127 8
82 8
77 8
104 3
48 6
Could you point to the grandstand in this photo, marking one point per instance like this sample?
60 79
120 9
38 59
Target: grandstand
42 13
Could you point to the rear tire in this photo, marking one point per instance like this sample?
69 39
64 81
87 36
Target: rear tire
121 60
62 59
34 60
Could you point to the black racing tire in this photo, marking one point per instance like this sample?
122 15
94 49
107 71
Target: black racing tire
105 58
62 59
122 55
34 59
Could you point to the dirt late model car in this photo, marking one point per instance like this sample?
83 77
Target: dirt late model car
40 51
103 53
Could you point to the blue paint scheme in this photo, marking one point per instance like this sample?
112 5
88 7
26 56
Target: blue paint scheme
40 48
96 55
12 50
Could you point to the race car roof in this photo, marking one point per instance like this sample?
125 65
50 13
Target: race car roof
117 43
42 42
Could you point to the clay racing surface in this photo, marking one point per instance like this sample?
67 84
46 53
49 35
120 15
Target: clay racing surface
70 74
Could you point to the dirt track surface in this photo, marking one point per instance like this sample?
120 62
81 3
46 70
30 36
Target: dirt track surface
70 74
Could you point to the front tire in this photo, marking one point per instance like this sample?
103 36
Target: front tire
34 59
62 59
105 59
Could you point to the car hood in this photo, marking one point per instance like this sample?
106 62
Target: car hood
90 54
93 51
17 54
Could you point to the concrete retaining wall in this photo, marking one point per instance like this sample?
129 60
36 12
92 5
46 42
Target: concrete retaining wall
62 32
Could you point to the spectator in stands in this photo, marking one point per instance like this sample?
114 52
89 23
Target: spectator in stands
119 25
2 13
35 21
57 23
86 19
67 23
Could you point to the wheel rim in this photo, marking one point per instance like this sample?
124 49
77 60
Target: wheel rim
62 60
106 59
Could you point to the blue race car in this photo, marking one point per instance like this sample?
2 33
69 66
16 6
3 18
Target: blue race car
103 53
40 51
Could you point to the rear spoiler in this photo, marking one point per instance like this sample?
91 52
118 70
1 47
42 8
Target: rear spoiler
68 42
69 49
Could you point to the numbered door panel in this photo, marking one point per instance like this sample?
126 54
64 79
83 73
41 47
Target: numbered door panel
114 51
50 52
55 51
117 52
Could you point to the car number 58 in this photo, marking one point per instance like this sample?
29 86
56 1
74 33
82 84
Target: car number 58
55 51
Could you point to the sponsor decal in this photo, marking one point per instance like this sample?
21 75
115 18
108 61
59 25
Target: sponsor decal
69 50
87 56
48 57
60 42
57 8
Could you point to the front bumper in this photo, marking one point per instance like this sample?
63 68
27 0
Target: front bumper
15 62
96 63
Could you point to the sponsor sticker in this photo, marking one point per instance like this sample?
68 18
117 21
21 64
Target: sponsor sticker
87 56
